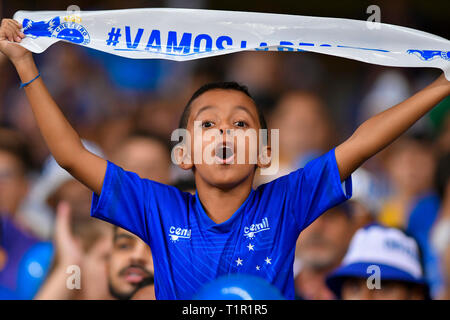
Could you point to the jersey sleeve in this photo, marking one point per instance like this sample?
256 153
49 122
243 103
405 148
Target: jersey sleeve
316 188
130 202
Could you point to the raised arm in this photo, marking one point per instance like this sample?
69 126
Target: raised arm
62 140
382 129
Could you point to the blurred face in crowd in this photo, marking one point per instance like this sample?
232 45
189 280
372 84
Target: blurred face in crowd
443 141
159 116
112 130
356 289
130 264
361 214
302 123
76 194
145 156
259 71
221 109
323 244
412 167
13 183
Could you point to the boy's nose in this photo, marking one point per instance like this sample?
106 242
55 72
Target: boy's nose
222 131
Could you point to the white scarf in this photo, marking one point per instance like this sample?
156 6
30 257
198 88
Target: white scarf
186 34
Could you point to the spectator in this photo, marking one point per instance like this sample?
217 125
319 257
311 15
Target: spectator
19 248
130 266
86 244
52 186
320 249
263 82
441 229
381 263
55 186
443 142
305 131
146 154
14 165
410 164
413 204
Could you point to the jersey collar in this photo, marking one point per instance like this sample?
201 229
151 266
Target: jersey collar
227 225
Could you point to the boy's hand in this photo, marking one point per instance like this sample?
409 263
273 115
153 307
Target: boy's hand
62 140
10 32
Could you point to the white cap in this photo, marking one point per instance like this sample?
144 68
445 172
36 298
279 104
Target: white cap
396 254
388 246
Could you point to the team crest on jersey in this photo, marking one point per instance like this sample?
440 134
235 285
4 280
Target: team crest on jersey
177 233
68 30
251 231
428 55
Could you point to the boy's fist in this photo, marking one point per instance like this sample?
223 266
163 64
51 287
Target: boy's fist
10 32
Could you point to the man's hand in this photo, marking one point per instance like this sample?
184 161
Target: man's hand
10 32
68 248
68 252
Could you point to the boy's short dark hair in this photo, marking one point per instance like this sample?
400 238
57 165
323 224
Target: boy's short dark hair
225 85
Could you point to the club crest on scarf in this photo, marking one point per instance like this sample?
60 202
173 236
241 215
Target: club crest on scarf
427 55
70 31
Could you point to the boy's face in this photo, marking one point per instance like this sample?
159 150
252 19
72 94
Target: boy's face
13 183
226 159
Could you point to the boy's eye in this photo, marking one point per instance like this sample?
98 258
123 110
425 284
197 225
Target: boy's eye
241 124
123 246
207 124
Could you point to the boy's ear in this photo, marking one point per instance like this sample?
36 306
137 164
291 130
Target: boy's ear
265 157
182 157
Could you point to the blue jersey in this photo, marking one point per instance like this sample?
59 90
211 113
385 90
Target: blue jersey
189 249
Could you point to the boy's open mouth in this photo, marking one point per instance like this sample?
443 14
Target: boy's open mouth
224 153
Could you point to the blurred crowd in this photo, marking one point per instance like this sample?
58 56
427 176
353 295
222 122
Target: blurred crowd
125 110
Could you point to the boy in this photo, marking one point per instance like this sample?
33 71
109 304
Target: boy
226 227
